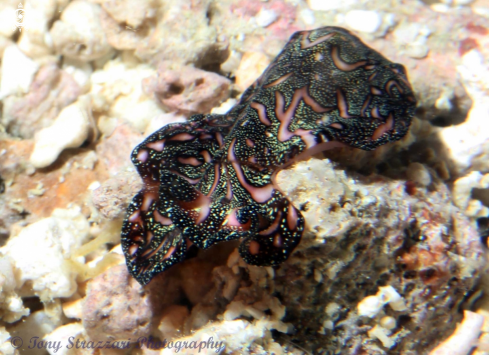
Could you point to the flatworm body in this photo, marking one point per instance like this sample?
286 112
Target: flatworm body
211 179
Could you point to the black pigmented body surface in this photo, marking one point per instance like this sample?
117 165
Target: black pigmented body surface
210 179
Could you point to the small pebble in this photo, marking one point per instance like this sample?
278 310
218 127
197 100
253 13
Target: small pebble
307 16
370 306
232 63
94 185
18 71
318 276
417 173
412 38
332 309
417 50
363 20
234 310
255 313
265 17
328 324
251 66
69 130
388 322
225 107
381 334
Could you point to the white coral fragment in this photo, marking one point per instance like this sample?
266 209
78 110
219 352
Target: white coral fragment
381 334
17 72
371 305
6 347
468 140
79 34
234 310
41 254
35 40
69 130
464 337
63 337
413 39
462 192
11 306
116 90
265 17
363 20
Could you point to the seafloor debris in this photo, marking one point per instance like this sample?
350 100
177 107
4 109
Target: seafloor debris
399 220
69 130
78 33
185 89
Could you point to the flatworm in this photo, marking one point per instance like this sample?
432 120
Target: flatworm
211 179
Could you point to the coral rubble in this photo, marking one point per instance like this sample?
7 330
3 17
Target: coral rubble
390 256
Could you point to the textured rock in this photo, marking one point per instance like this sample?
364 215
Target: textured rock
51 91
79 34
162 120
363 21
70 129
37 325
80 71
40 254
33 41
465 198
252 64
11 305
120 35
432 248
319 5
373 271
187 90
448 36
115 150
365 236
117 307
463 339
469 140
111 198
411 40
18 71
117 92
64 336
127 23
5 343
265 17
7 9
183 35
172 321
134 13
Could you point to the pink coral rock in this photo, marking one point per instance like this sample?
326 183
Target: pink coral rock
186 89
117 307
51 91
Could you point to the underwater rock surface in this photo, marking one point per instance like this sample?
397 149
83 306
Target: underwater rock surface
390 255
